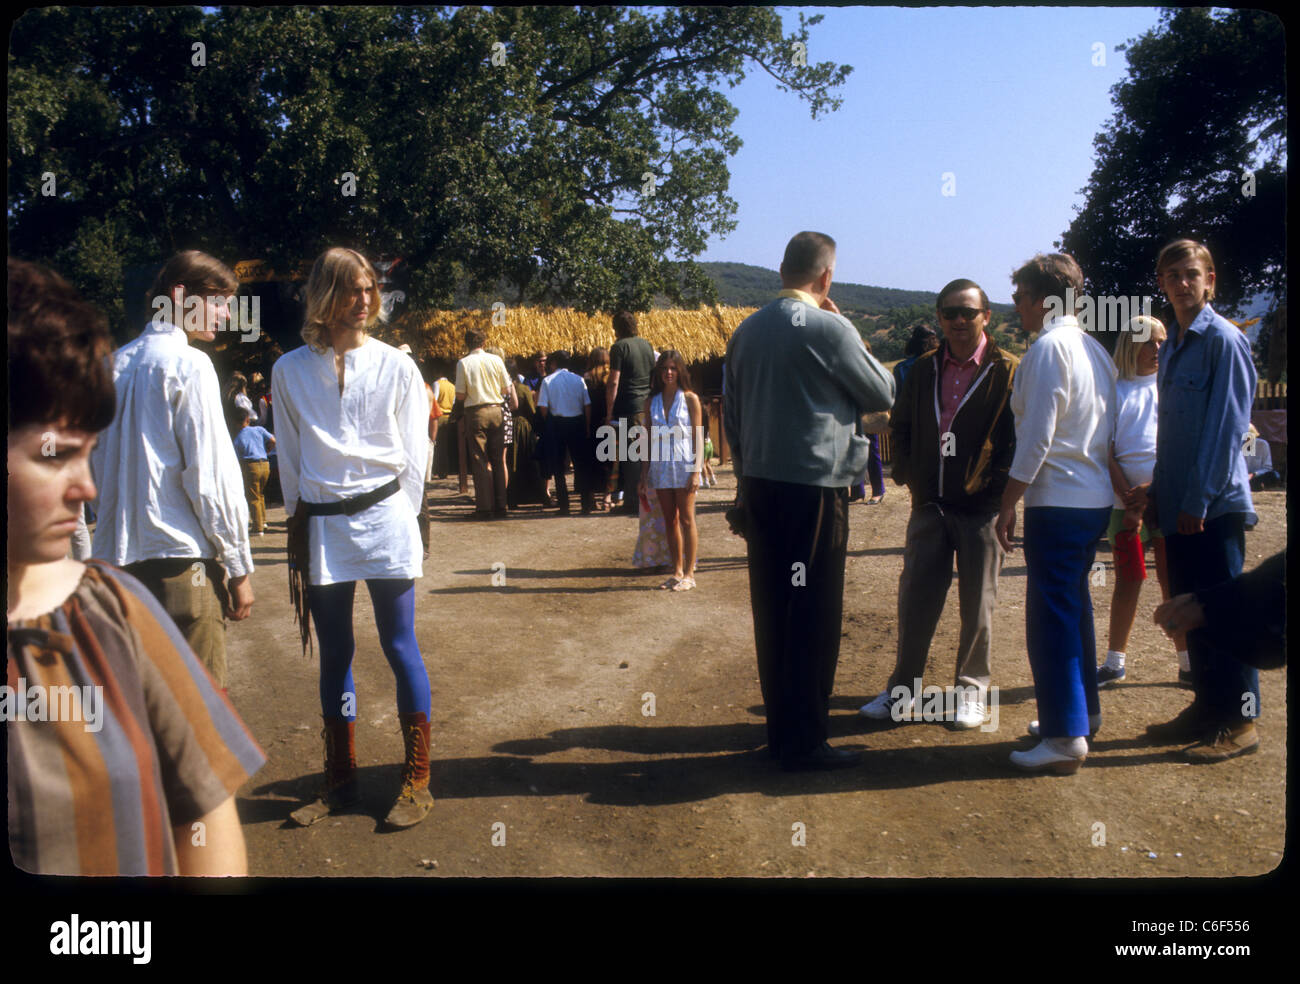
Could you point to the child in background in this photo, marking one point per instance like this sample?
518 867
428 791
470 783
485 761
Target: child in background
252 445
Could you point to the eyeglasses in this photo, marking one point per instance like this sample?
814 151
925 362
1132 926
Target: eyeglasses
967 313
1015 298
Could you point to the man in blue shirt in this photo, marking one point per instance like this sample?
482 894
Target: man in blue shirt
1202 493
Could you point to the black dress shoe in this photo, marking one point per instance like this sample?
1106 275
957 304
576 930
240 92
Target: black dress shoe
824 757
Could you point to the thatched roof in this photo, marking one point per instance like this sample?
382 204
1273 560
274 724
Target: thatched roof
698 335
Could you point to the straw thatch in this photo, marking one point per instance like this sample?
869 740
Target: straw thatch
697 335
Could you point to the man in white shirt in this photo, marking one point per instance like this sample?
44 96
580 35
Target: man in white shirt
171 508
565 407
1064 402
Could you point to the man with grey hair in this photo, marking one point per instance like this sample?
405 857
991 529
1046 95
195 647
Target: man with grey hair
795 459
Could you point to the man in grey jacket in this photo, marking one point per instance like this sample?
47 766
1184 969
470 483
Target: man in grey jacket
798 378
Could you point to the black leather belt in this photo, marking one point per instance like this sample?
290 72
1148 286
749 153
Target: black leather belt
350 507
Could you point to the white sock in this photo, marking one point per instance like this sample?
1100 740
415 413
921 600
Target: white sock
1184 663
1114 660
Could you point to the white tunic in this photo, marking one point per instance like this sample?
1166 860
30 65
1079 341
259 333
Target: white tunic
334 447
168 479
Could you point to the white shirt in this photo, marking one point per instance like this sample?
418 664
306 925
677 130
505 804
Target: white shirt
242 400
168 479
1135 430
564 394
334 447
1064 402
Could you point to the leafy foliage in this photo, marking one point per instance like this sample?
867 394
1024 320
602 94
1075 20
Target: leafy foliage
510 144
1202 112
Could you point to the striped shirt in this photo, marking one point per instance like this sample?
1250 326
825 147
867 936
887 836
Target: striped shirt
155 745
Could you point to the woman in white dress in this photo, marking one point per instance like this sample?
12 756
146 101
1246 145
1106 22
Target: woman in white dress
351 418
676 456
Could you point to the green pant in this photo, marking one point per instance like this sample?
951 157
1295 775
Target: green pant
192 592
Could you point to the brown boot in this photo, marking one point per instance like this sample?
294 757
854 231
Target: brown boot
340 787
414 801
1225 742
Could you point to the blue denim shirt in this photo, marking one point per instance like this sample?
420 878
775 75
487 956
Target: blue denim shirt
1207 387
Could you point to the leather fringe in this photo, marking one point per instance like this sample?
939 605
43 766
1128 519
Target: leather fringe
298 525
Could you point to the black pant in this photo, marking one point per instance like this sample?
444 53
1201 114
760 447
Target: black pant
569 434
797 541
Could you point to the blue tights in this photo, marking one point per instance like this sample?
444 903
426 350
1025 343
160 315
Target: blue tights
394 602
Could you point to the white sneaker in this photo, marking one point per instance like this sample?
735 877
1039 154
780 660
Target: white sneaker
882 708
969 713
1094 725
1062 756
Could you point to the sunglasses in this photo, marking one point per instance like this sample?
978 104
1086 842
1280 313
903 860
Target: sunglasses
953 313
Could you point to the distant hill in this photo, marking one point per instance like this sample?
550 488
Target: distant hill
753 286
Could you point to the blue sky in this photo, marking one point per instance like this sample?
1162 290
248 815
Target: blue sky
1007 99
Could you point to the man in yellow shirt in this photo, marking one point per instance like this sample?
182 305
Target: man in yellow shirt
483 383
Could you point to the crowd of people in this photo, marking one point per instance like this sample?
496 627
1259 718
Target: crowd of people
1143 448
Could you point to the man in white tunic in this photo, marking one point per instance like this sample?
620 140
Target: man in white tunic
351 423
171 507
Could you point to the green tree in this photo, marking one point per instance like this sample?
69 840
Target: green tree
580 154
1197 148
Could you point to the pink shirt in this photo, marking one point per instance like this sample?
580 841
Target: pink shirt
955 379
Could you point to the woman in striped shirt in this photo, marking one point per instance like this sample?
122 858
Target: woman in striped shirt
124 757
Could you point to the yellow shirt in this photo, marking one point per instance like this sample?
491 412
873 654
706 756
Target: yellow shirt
481 378
446 395
800 295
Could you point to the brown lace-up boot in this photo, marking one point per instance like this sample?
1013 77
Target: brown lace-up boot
340 787
414 801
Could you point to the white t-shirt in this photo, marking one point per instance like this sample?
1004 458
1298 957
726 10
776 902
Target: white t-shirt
334 447
1135 429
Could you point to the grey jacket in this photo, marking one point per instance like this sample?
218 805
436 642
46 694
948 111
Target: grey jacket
797 380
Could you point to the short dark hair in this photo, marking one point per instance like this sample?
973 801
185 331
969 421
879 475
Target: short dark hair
1050 275
683 374
921 334
475 338
559 359
807 255
197 273
59 353
625 324
962 284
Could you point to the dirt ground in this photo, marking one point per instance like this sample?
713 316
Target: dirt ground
546 763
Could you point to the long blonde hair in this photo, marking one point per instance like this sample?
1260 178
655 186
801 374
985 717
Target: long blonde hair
331 275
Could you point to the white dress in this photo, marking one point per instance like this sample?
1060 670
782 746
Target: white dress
334 447
672 449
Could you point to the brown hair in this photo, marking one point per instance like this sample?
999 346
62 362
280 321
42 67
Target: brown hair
683 374
1051 275
197 273
332 275
625 324
59 353
961 284
807 256
1179 250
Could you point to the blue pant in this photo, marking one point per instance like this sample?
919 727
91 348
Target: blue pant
1220 681
1060 546
394 602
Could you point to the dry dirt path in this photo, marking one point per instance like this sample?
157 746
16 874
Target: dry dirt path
546 763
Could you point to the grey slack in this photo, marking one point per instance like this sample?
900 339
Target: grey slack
934 534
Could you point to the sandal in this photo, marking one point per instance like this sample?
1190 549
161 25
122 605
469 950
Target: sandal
685 584
670 584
